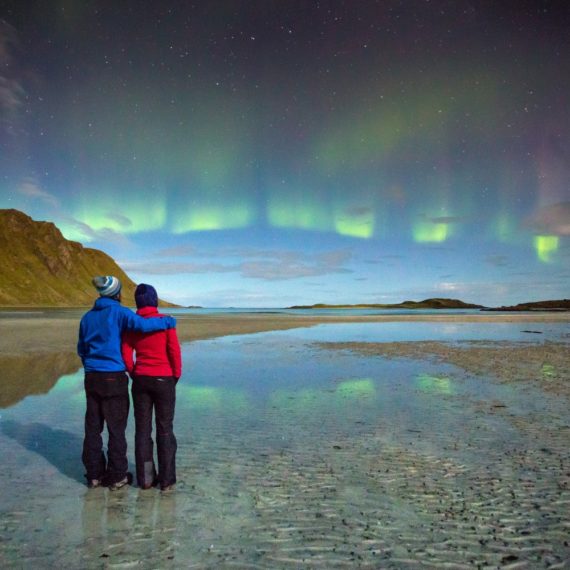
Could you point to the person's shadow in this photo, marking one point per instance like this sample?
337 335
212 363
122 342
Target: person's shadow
61 448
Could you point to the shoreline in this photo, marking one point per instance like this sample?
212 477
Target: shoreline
58 333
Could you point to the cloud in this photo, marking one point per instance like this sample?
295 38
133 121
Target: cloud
497 260
175 268
123 221
268 265
283 271
177 251
384 258
76 230
553 219
293 265
357 211
251 253
448 286
443 219
30 188
446 219
11 91
241 298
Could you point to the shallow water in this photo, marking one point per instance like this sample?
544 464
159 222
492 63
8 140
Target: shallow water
424 331
295 457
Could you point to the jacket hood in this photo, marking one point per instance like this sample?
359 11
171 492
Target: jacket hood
104 303
144 311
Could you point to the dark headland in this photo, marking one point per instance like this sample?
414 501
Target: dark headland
435 303
560 305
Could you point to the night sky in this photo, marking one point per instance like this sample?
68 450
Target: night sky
265 153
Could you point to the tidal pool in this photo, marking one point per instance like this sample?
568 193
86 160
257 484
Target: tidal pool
294 457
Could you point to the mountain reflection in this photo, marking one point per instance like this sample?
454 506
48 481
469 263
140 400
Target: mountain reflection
33 374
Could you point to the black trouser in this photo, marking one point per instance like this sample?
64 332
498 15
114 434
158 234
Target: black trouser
158 392
107 402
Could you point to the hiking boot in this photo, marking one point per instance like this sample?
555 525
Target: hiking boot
149 485
126 480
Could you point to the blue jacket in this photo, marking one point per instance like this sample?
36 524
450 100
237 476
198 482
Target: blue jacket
99 345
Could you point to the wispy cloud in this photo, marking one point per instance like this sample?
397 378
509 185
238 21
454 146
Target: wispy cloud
11 90
183 250
123 221
384 258
553 219
176 268
240 297
446 219
294 267
76 230
497 260
268 265
357 211
30 188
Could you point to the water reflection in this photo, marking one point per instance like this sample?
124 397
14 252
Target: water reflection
434 384
548 371
33 374
356 388
123 528
212 398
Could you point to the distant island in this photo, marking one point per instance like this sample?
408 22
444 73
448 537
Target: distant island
435 303
560 305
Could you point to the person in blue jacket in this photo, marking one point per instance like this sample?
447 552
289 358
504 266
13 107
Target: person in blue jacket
106 383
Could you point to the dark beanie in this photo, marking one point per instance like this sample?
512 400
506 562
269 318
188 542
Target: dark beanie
145 296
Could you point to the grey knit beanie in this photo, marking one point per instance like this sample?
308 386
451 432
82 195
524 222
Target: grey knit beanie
107 285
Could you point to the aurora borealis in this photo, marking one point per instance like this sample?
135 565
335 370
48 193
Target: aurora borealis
269 153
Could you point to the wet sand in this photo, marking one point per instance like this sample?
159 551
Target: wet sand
545 365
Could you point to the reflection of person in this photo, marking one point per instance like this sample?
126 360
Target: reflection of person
106 384
155 373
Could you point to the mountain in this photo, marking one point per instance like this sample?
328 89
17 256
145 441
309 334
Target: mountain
425 304
42 268
560 305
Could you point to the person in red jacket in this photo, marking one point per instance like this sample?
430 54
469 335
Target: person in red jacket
155 372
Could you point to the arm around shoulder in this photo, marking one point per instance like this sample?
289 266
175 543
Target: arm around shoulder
134 322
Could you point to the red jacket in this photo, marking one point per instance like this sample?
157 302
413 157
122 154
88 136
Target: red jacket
157 354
